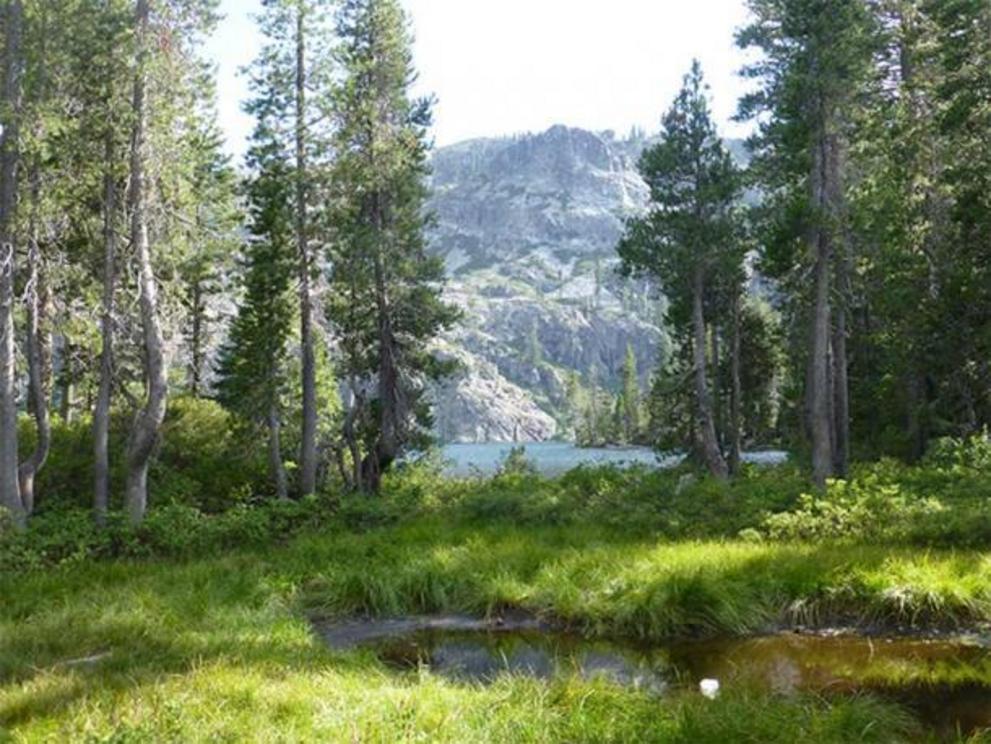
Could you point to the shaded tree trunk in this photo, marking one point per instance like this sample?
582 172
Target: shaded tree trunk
736 394
67 382
35 352
275 453
820 394
387 448
148 421
308 443
101 411
717 402
703 403
841 395
10 98
196 354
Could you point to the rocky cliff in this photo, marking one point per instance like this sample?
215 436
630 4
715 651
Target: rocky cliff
528 228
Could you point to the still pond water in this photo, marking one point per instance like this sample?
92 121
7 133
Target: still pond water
555 458
945 682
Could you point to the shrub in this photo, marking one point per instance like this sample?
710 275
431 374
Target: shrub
206 460
58 538
944 502
971 453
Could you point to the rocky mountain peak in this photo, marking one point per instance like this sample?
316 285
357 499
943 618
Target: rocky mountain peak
528 227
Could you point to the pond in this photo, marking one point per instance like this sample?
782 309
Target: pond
555 458
946 682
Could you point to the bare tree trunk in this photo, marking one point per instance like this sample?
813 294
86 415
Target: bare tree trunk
736 394
710 445
67 383
34 351
308 444
275 453
147 423
841 399
354 410
196 339
717 403
10 98
387 449
820 424
104 398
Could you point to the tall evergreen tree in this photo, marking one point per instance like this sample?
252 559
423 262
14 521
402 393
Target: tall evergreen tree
629 397
252 370
688 233
109 27
386 305
292 82
10 114
814 61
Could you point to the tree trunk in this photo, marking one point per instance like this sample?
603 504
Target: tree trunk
34 351
736 394
275 453
308 444
196 339
820 424
388 371
147 423
841 400
10 98
101 411
717 403
67 383
710 446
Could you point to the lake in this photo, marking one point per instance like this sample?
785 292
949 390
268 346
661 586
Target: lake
555 458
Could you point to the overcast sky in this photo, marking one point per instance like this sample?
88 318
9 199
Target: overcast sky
500 67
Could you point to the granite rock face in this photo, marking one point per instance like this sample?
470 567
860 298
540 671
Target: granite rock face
528 228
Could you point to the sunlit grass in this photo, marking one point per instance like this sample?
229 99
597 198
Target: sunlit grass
221 649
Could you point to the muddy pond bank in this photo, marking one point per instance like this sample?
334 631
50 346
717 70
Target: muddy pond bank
944 680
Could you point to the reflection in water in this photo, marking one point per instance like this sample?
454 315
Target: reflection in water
481 657
946 683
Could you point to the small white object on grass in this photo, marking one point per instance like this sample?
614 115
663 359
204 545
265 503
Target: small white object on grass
709 688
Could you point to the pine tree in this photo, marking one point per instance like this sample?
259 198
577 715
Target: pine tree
386 303
630 397
10 110
210 236
252 369
689 232
104 99
292 82
814 64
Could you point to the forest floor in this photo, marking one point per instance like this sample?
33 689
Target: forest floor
222 648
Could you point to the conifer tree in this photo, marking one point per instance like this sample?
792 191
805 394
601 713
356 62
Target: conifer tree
252 369
629 397
685 238
386 302
814 61
292 82
10 113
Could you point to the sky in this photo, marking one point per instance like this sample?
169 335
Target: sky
502 67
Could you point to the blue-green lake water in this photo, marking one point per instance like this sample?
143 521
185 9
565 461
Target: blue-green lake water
554 458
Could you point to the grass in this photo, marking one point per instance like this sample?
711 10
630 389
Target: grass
219 649
195 627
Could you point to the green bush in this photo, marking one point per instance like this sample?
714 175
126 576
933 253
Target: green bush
205 460
943 502
59 538
971 453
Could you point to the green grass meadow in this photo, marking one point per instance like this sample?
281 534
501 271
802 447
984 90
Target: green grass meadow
175 634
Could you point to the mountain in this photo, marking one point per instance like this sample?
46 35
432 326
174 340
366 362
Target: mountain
528 228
